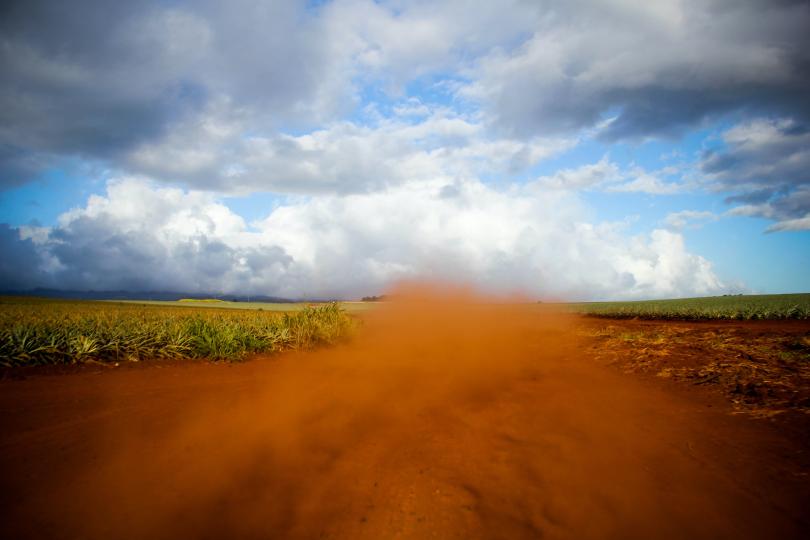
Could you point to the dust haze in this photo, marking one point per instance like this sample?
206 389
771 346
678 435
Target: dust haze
448 414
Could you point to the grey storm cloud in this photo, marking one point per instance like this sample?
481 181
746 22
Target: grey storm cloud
96 253
172 89
642 69
764 154
765 164
20 262
95 79
72 83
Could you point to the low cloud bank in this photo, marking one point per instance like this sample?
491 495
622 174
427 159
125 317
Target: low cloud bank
522 239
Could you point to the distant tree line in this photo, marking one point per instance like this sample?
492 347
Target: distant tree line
374 298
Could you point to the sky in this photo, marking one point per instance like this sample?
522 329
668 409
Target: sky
580 149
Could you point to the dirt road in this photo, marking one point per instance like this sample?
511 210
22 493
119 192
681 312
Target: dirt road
445 420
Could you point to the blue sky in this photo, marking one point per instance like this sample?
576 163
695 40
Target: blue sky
334 148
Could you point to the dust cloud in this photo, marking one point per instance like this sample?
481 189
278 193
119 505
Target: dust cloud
447 415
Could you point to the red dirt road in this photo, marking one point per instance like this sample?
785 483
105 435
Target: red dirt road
438 421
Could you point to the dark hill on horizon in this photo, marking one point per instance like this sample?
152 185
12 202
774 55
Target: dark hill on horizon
145 295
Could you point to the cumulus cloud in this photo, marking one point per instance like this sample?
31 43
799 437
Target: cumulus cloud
765 163
642 69
142 237
341 157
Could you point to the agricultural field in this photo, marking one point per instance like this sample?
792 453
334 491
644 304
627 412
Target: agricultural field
761 367
748 307
753 349
394 431
37 331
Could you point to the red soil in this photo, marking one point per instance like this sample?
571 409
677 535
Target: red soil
441 419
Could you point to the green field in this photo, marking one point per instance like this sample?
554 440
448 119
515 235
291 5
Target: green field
48 331
37 331
749 307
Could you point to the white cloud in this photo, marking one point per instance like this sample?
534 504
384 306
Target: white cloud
798 224
396 42
583 177
645 182
606 175
138 236
209 96
688 218
212 152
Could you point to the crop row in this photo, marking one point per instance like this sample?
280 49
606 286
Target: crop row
48 333
751 307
